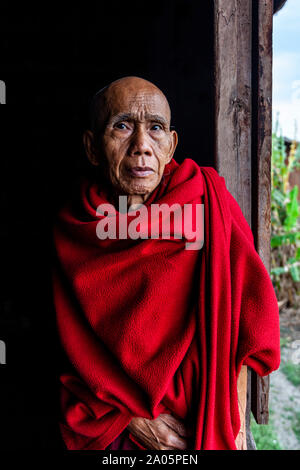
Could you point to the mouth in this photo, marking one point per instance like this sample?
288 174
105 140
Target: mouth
140 171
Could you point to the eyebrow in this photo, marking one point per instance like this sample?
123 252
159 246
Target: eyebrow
132 117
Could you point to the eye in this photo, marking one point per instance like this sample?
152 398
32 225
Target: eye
120 125
156 127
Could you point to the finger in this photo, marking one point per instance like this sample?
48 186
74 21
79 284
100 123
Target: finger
176 425
155 434
146 440
148 433
176 442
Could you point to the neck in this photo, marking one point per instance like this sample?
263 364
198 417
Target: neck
133 200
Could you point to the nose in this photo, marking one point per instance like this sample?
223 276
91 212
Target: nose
140 144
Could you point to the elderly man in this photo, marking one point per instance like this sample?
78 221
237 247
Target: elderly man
156 333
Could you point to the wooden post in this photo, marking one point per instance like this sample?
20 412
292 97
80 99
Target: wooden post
261 161
243 133
233 45
233 131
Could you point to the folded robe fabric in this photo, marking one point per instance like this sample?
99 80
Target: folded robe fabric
150 327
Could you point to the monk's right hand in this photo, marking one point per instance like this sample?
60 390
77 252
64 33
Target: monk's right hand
163 433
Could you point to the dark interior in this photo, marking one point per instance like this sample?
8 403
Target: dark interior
53 61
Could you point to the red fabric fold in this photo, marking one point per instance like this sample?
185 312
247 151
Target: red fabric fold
150 327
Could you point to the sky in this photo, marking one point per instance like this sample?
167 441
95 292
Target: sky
286 68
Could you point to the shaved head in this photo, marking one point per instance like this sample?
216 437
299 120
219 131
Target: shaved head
130 137
102 100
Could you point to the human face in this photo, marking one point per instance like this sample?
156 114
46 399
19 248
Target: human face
136 141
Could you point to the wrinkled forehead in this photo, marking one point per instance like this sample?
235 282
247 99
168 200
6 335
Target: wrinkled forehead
138 102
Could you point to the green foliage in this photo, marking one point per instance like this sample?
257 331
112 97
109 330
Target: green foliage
264 436
286 239
292 372
296 425
284 342
285 213
292 210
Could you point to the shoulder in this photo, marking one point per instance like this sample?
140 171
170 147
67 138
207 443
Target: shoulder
208 171
189 163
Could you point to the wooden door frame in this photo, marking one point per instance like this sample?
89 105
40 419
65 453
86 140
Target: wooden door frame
243 141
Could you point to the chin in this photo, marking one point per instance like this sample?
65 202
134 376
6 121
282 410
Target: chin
143 187
141 190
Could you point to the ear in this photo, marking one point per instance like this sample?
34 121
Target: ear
90 149
173 144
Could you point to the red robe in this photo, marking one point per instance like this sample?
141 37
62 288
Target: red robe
151 327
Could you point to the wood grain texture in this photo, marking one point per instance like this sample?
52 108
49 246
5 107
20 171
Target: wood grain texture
261 165
243 130
233 55
233 98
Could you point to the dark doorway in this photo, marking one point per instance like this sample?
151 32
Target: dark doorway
53 61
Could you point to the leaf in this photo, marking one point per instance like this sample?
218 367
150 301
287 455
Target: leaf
278 197
292 209
279 270
287 239
295 273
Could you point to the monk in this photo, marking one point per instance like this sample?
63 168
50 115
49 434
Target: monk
156 333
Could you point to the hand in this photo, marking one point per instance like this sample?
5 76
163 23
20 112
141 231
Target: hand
163 433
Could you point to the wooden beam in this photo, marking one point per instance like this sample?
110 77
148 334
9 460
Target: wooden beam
261 158
233 100
243 127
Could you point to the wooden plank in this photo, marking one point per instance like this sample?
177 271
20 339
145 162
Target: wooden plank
260 398
233 98
243 43
233 55
261 158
